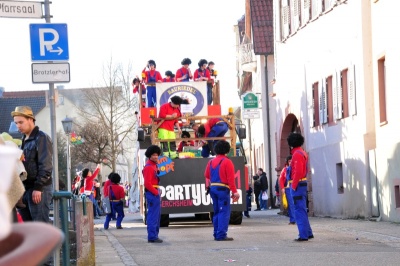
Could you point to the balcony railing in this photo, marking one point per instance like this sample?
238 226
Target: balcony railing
247 57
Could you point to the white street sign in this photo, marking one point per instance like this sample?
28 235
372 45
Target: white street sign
21 9
50 73
251 114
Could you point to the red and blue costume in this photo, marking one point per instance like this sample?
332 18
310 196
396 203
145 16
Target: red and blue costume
152 76
198 73
220 176
153 200
299 191
215 127
182 72
116 194
284 179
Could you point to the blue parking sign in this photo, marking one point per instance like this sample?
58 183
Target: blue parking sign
49 42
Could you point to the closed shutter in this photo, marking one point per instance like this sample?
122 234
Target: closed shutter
321 103
352 90
339 94
295 15
305 9
324 102
312 110
316 6
329 4
285 19
334 96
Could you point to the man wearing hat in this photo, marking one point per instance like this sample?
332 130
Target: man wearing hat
170 112
38 161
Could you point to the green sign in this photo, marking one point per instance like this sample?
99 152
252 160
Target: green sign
250 101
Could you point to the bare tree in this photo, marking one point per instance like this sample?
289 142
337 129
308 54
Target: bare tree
107 118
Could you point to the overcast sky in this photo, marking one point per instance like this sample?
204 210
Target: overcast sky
129 31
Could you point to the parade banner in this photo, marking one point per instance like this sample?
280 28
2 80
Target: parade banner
194 92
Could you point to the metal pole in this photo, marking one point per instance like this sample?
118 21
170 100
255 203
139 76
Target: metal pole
69 163
56 222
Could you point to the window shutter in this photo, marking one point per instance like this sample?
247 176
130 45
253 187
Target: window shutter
324 103
339 94
285 19
334 96
305 7
295 15
321 103
352 90
316 6
329 4
312 110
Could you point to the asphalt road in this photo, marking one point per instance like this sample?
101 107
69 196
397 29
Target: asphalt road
264 239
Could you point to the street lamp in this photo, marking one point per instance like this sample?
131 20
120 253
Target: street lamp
67 125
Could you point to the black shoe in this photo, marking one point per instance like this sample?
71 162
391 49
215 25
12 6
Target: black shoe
96 217
119 227
226 239
300 239
155 241
257 209
248 216
311 237
291 223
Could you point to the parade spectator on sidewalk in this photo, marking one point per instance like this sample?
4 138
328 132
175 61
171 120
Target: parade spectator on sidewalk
257 191
298 186
264 188
152 193
116 194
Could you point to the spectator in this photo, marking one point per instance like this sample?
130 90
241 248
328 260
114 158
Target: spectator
264 188
284 184
257 191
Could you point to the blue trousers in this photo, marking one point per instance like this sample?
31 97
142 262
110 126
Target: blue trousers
300 210
248 205
151 96
290 209
222 210
263 203
153 215
116 208
209 93
37 212
218 130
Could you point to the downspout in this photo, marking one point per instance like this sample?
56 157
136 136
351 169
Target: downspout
269 135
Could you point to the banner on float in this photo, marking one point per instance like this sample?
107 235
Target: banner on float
194 92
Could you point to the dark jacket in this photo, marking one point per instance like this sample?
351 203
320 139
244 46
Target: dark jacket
38 152
257 185
264 181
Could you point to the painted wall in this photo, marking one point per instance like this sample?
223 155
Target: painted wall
336 40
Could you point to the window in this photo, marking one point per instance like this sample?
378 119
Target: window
315 105
305 11
329 92
339 178
344 105
382 91
397 196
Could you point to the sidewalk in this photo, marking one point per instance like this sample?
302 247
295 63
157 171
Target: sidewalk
121 247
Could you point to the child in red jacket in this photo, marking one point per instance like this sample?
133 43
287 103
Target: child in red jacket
116 194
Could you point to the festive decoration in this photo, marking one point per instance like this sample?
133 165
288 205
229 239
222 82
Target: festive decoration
76 140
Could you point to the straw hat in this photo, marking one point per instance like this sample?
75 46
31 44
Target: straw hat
23 111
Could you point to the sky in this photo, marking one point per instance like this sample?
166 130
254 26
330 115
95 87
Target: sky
130 31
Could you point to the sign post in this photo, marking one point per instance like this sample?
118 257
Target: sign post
21 9
250 106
